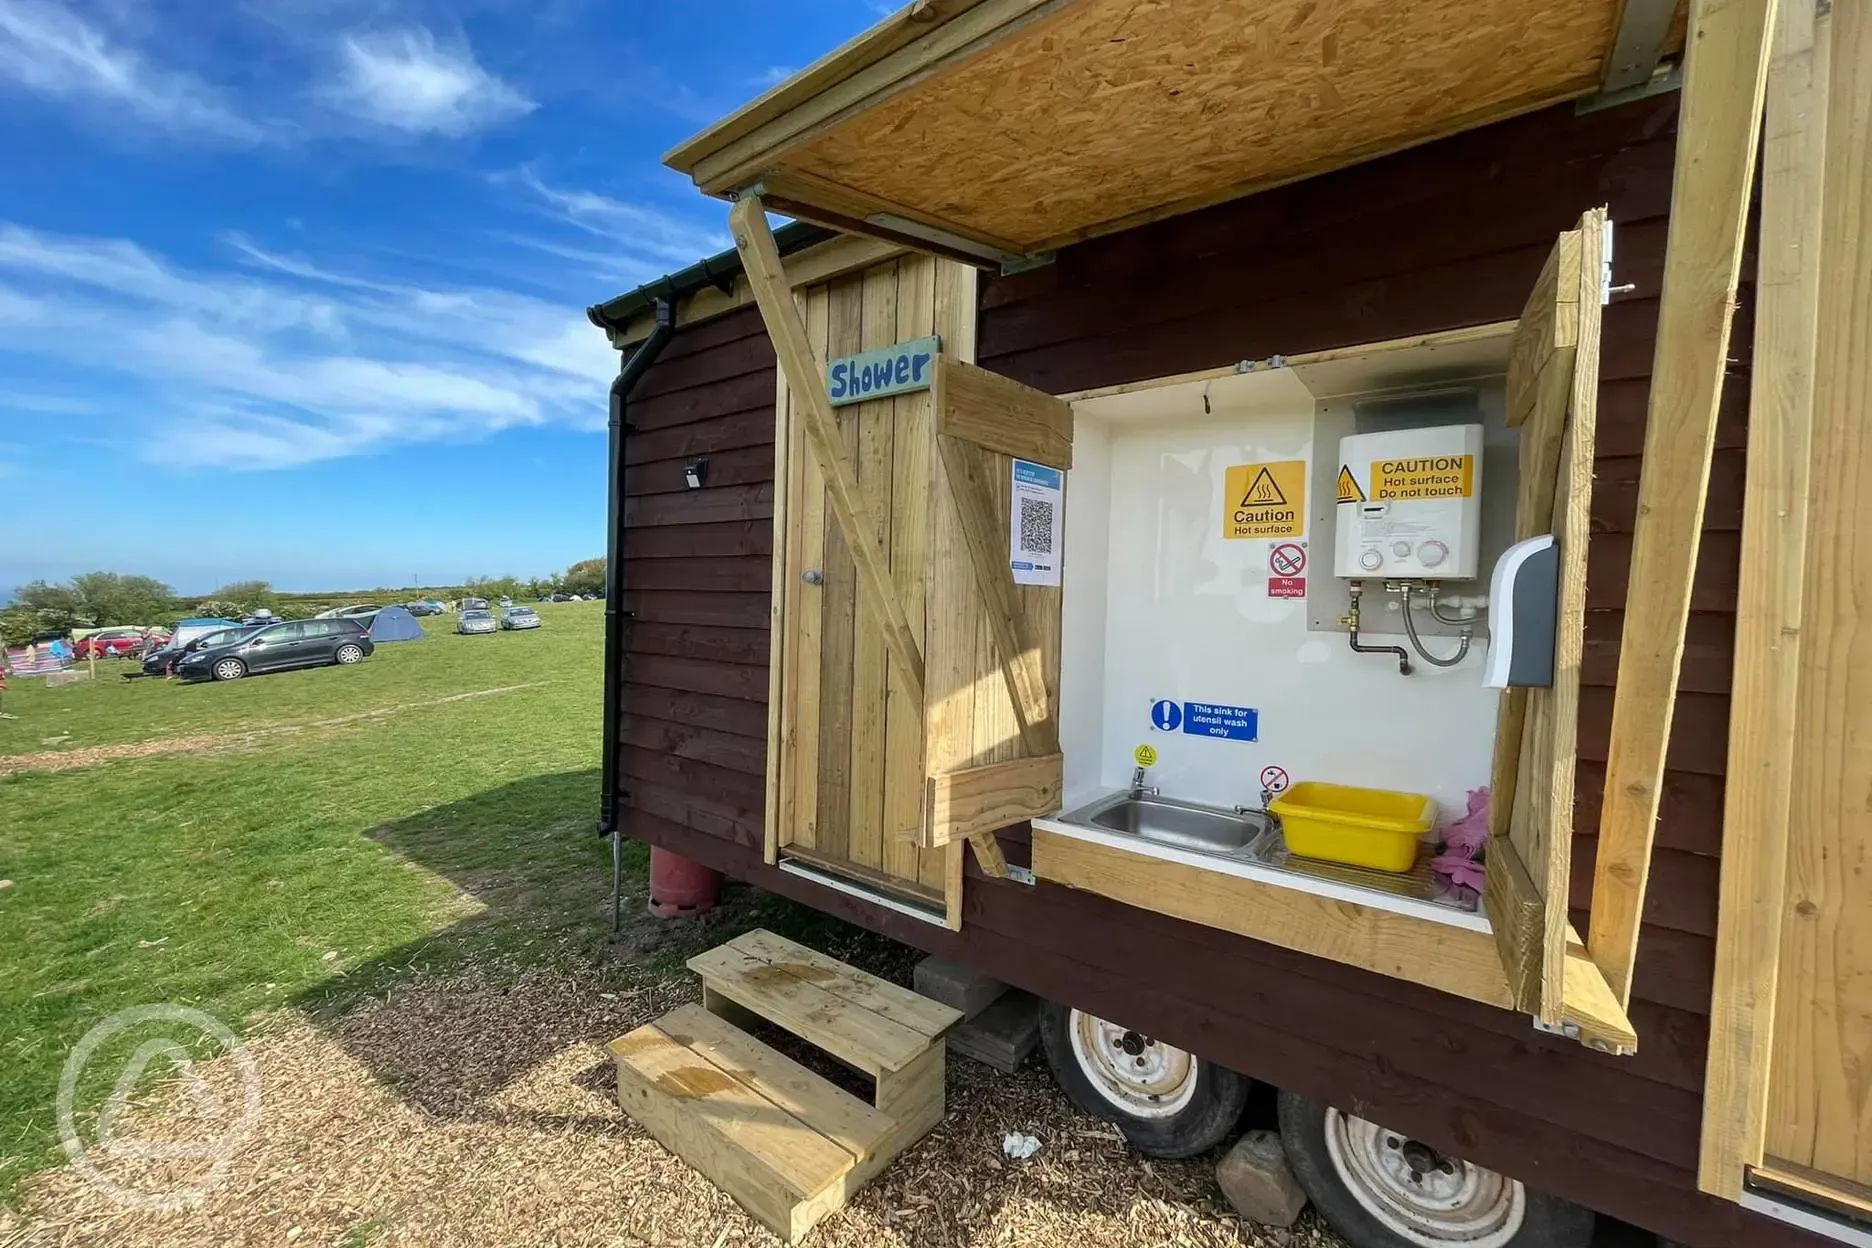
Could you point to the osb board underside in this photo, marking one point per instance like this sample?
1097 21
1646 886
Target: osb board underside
1117 107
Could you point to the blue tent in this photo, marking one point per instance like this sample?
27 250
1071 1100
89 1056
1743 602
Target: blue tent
395 624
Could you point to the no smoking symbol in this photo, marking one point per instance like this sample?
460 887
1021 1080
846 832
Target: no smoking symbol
1287 559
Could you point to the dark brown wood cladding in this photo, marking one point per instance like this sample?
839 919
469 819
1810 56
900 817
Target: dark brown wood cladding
696 578
1447 235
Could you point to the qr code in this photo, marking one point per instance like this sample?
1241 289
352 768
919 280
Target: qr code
1036 526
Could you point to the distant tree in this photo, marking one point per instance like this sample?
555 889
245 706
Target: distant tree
19 625
215 608
251 595
43 597
496 587
586 577
101 599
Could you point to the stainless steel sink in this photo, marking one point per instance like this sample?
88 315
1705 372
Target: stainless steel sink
1206 829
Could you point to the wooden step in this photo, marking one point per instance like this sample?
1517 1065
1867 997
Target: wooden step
786 1144
763 1128
868 1023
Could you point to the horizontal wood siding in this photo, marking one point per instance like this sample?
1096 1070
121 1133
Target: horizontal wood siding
697 577
1447 235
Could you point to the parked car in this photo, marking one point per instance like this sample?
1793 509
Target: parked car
109 643
474 604
470 622
191 629
519 617
505 601
357 610
162 661
291 643
425 606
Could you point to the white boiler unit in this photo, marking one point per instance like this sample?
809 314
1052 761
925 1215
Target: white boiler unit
1410 504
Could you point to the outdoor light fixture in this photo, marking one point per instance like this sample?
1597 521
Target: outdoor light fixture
695 472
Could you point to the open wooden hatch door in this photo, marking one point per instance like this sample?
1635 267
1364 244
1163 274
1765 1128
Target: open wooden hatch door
1000 128
914 685
1553 381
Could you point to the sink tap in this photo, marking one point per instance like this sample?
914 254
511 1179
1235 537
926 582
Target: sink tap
1137 785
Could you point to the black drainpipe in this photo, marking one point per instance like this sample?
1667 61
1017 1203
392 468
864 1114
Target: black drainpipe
639 362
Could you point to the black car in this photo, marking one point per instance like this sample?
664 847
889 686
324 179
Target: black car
163 661
292 643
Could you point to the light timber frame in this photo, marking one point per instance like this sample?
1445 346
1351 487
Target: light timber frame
1793 774
1720 119
1553 386
957 739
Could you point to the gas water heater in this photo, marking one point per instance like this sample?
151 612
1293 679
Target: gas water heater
1410 504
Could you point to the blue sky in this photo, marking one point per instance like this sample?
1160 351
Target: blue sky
295 289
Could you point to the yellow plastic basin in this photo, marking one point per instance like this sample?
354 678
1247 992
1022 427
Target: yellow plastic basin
1377 828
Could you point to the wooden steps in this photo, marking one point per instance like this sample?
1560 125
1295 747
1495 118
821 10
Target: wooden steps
789 1146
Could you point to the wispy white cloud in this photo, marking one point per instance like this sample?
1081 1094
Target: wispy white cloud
773 76
406 81
47 48
297 362
634 230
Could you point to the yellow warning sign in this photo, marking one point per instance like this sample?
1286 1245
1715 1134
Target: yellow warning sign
1349 491
1265 500
1145 756
1429 476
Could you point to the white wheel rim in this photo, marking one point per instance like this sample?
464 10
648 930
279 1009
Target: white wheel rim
1426 1197
349 654
228 669
1143 1077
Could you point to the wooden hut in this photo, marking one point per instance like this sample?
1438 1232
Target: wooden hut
1137 243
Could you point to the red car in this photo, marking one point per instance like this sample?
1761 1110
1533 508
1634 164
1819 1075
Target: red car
110 643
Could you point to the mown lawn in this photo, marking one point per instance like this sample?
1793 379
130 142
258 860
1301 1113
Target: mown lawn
114 710
349 824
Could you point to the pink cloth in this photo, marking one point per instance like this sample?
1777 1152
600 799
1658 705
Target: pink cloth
1463 842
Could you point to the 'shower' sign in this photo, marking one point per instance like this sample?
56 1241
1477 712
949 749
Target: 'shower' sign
882 372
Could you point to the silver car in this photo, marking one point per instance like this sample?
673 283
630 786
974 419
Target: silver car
475 622
519 617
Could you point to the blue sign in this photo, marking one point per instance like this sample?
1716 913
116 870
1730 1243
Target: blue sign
1166 715
1232 723
884 371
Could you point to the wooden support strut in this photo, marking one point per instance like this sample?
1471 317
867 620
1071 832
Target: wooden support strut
805 378
1726 63
1764 715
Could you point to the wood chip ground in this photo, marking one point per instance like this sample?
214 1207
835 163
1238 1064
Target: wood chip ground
462 1110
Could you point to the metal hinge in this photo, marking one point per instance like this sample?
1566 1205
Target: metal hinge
1606 288
1022 264
1561 1028
1020 875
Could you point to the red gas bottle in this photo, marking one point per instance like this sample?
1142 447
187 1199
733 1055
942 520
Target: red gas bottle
680 886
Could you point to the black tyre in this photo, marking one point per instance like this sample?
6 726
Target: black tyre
349 653
229 669
1381 1189
1168 1102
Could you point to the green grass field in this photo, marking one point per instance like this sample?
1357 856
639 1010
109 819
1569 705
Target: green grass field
292 840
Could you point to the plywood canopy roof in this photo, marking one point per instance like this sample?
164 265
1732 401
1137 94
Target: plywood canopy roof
1016 126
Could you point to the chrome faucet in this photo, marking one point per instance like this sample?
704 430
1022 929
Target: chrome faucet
1137 785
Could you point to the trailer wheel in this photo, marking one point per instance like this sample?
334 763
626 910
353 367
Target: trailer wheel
1381 1189
1168 1102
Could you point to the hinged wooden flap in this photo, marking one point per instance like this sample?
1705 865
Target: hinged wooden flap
1000 414
968 803
1553 378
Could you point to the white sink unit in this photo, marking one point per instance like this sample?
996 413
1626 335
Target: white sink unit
1225 656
